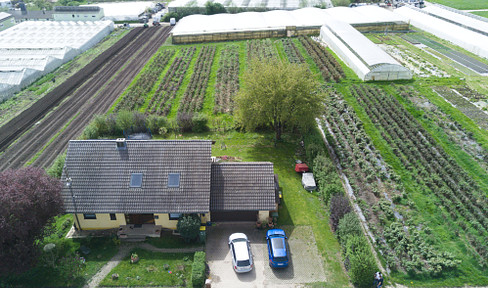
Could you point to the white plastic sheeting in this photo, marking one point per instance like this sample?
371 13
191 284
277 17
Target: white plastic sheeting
124 11
472 41
279 19
369 61
31 49
457 17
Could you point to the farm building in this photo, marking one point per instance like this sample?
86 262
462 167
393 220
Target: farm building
30 50
448 29
123 11
280 23
369 61
119 183
247 5
77 13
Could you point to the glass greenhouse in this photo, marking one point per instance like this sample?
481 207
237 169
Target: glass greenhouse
32 49
369 61
124 11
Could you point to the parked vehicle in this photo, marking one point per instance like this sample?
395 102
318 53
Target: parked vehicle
240 250
308 182
277 249
172 21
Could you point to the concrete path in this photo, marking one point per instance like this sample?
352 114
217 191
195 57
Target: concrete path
123 252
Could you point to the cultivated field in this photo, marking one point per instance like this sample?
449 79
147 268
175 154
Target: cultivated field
464 4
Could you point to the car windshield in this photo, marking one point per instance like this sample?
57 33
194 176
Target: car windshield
278 243
280 259
243 263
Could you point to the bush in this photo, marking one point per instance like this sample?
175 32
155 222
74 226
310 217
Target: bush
138 122
100 123
349 226
198 269
362 265
328 182
339 206
90 132
57 168
155 123
125 119
185 121
189 226
199 123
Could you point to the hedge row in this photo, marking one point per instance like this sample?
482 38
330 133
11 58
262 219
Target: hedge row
198 270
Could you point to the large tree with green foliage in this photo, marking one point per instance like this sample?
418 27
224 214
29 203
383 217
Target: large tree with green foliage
280 95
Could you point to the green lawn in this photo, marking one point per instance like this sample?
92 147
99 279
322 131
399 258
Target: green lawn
464 4
168 240
153 269
481 13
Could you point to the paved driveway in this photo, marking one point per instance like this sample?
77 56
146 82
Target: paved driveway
305 267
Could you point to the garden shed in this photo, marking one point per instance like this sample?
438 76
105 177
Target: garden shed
364 57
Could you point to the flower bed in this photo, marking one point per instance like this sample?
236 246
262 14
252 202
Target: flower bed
325 61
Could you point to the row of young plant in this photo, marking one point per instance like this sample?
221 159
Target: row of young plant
328 65
357 255
260 49
192 100
162 99
227 82
292 52
379 194
136 94
458 193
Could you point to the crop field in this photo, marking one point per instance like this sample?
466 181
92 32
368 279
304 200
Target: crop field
464 4
415 154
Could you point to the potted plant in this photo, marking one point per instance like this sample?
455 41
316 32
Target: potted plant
134 258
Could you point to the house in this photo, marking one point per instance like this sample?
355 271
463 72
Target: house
6 21
28 15
78 13
112 183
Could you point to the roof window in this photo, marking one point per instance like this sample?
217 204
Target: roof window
173 180
136 180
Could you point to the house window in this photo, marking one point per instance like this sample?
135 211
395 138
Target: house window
89 216
173 180
136 180
113 216
174 216
73 15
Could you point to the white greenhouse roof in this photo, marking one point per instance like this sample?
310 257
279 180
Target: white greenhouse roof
269 4
122 11
4 15
279 19
458 17
366 59
32 49
472 41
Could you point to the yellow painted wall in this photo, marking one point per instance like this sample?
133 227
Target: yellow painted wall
102 222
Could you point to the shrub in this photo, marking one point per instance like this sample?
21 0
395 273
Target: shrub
139 121
57 168
200 123
90 132
189 226
312 150
348 226
198 269
339 206
362 265
125 119
155 123
185 121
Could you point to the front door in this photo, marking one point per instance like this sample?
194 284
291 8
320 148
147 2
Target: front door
139 219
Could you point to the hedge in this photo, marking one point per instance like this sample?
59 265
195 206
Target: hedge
198 270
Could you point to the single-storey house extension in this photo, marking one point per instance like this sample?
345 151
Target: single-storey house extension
78 13
114 183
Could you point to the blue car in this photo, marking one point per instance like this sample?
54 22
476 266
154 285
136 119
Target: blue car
277 249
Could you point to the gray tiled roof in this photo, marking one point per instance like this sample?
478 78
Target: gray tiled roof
100 176
76 9
242 186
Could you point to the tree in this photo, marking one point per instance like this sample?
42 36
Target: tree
29 200
280 95
214 8
188 226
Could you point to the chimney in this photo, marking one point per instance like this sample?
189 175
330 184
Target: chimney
121 144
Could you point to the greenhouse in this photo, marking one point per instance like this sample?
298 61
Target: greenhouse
467 20
248 5
281 23
31 49
124 11
468 39
369 61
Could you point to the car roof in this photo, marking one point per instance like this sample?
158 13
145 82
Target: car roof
276 232
237 236
278 246
241 251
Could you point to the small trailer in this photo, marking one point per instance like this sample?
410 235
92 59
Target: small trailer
308 182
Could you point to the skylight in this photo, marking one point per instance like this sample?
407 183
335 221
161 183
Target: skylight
173 180
136 180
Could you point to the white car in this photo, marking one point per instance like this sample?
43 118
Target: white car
240 250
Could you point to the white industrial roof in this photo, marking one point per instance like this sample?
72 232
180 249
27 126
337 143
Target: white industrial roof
269 4
279 19
4 15
31 49
122 11
366 59
472 41
457 17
